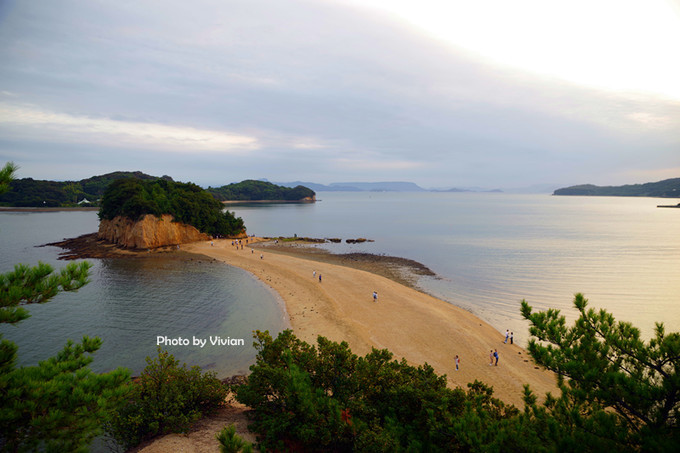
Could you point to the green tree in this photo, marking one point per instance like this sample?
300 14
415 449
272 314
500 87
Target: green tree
58 405
325 398
617 390
186 202
167 397
73 189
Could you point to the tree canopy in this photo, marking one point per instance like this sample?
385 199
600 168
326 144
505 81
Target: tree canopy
616 388
186 202
251 190
29 192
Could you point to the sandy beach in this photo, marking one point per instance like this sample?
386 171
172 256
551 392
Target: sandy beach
411 324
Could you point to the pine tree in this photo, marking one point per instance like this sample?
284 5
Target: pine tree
616 388
58 405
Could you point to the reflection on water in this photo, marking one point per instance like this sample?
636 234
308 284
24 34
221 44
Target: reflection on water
493 250
130 302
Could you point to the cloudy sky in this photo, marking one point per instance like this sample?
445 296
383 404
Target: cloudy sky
449 93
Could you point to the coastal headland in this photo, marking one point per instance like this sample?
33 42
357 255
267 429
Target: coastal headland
332 295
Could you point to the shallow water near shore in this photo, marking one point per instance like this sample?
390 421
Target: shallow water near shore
129 303
491 250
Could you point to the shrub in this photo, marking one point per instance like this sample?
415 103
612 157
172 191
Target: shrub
230 442
325 398
166 398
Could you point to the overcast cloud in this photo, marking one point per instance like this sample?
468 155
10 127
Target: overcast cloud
220 91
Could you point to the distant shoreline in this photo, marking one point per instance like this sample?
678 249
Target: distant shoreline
267 201
38 209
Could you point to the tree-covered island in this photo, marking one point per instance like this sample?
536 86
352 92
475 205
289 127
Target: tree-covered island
188 203
251 190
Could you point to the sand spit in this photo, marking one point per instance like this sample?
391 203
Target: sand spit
411 324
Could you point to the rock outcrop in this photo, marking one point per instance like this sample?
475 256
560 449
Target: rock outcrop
149 232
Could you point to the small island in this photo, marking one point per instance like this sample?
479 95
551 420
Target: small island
141 214
251 190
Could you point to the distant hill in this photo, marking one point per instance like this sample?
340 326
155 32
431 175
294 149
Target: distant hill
359 186
669 188
29 192
251 190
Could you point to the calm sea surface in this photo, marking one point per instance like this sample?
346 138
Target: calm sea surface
130 302
490 251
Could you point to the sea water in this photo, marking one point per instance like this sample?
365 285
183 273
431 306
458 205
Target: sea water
489 251
492 250
132 303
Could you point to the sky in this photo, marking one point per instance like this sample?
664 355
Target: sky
490 93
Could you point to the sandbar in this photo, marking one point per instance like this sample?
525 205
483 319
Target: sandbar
411 324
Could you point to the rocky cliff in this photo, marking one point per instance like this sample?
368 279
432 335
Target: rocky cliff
149 232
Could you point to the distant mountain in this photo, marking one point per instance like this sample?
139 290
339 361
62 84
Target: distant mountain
669 188
382 186
29 192
316 187
358 186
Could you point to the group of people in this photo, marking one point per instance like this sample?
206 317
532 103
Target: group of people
493 353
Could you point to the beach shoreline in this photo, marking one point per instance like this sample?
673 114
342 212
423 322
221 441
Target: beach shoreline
329 294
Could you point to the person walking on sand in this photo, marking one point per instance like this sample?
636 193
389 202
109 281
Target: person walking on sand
507 334
314 274
495 354
457 361
319 278
511 335
491 357
375 296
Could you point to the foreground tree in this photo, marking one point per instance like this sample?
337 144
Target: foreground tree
60 404
168 397
617 390
325 398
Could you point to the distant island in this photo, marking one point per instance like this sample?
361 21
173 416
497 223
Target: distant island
251 190
29 192
386 186
668 188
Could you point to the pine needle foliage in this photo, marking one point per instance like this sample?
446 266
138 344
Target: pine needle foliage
617 390
60 404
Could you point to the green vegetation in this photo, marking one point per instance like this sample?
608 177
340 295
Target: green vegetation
669 188
59 404
29 192
615 388
325 398
230 442
166 398
186 202
617 394
260 190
